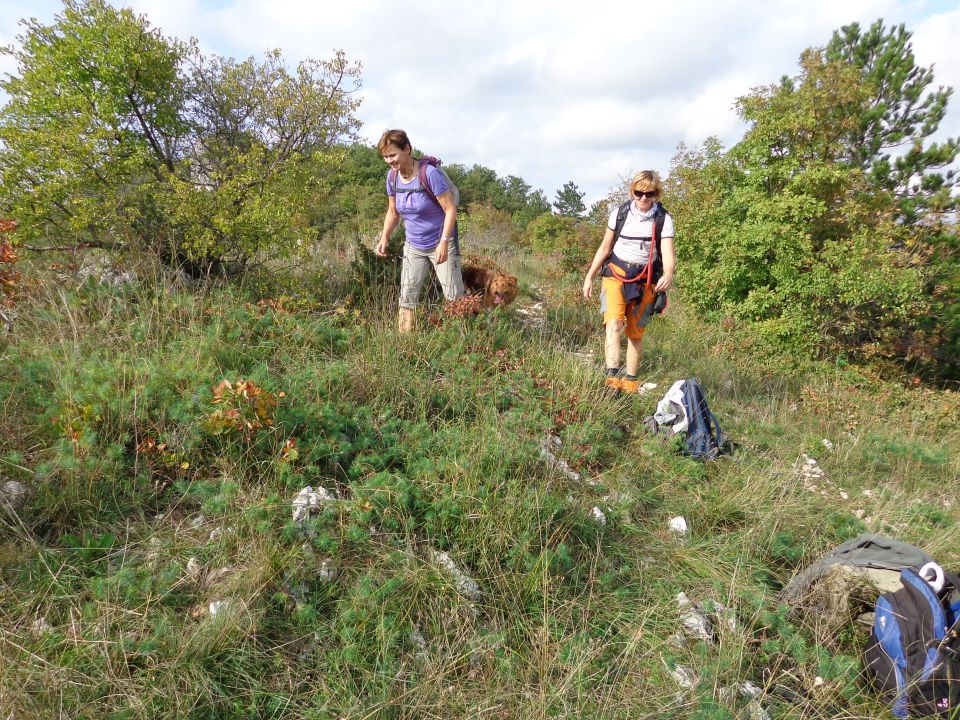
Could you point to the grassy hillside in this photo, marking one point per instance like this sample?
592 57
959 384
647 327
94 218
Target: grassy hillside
159 568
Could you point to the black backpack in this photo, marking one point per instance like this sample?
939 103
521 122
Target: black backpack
913 654
705 439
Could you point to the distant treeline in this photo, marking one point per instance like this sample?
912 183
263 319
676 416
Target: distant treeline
359 196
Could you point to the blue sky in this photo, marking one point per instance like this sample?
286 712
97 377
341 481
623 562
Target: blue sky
550 91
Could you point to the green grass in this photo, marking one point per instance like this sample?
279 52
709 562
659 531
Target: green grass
431 443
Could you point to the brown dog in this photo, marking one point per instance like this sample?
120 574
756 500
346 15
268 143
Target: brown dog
498 289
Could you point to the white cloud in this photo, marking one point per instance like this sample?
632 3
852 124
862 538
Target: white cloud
935 43
550 91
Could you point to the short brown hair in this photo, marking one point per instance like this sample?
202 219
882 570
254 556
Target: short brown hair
393 137
647 180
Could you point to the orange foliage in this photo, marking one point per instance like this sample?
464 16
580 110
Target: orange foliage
8 276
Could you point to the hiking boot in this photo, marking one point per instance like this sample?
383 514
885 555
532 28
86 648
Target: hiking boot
629 386
612 382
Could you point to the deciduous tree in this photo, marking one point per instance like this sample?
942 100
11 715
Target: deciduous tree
115 134
797 231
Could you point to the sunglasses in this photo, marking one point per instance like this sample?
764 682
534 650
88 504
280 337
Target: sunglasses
645 193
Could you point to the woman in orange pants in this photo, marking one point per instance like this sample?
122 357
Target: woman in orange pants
637 264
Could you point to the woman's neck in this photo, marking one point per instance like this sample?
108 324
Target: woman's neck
409 170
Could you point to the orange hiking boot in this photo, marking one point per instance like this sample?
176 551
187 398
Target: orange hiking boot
629 386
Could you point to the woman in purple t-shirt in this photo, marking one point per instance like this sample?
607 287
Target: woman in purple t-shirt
430 225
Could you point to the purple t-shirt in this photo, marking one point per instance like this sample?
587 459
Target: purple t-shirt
422 217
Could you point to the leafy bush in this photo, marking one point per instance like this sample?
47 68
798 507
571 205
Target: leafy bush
486 226
551 233
374 275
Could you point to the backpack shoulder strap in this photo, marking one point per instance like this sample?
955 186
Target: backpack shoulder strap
655 231
621 219
660 219
392 179
954 633
422 174
622 213
917 592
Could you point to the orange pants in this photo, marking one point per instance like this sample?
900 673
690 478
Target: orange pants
635 315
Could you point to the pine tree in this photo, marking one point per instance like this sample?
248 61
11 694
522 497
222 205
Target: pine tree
901 111
569 200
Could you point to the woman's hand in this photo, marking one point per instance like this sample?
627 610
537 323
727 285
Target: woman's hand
441 256
389 223
603 252
664 283
669 265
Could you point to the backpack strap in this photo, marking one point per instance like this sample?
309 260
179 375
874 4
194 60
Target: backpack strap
430 160
654 234
621 219
422 174
659 220
952 579
622 213
950 645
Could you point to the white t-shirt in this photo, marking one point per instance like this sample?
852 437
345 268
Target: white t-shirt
633 245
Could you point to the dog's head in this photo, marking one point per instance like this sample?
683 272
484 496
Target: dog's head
502 289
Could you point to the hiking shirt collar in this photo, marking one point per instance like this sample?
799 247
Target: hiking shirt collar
644 215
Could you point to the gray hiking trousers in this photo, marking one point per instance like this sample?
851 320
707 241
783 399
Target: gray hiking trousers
416 265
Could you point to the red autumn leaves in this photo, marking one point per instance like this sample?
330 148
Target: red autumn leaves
8 276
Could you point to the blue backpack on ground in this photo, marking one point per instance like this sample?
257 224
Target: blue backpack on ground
913 654
705 439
